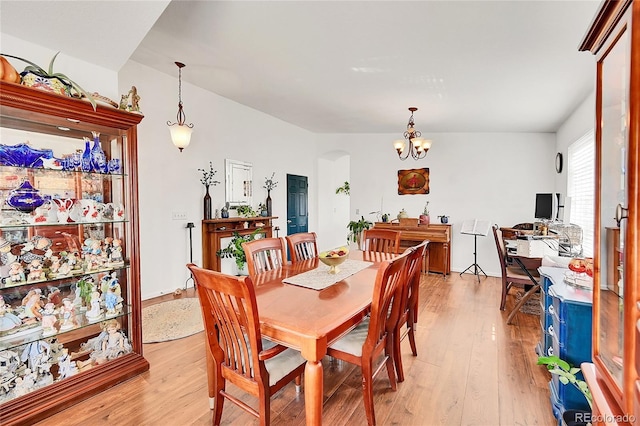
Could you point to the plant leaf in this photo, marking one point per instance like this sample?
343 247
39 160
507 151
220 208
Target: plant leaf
51 63
24 60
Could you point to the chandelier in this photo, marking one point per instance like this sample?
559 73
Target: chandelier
180 132
413 141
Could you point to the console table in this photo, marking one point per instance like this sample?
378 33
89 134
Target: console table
214 230
439 236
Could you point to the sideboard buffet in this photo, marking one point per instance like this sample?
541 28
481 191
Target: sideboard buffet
613 376
70 302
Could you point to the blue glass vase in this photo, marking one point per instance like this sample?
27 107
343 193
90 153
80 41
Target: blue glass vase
25 198
98 157
85 161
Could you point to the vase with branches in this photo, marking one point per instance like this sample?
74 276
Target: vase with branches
208 180
269 184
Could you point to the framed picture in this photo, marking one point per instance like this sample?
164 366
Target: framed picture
414 181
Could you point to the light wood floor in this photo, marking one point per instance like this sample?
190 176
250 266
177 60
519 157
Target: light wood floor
471 369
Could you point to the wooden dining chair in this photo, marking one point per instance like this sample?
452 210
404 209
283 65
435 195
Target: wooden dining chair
512 275
302 246
409 305
264 254
236 351
383 240
373 336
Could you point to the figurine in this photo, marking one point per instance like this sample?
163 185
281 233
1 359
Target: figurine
35 354
32 304
66 367
116 253
112 344
95 312
16 273
35 270
49 319
8 320
112 300
68 314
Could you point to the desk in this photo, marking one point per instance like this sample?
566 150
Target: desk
310 320
438 257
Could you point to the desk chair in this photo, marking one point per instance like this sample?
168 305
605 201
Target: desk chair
302 246
409 305
383 240
511 275
235 350
264 254
374 335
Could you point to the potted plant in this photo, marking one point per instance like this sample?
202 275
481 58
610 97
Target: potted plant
344 189
567 375
235 251
35 76
424 217
355 229
246 211
262 208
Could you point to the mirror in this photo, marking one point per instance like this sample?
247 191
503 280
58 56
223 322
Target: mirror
613 192
238 183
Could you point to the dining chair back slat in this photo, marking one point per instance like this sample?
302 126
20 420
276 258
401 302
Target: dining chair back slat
264 254
236 351
302 246
381 240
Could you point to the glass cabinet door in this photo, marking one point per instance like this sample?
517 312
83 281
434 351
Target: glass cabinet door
613 73
65 271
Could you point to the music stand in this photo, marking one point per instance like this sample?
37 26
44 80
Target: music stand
475 227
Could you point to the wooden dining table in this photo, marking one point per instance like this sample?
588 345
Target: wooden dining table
309 320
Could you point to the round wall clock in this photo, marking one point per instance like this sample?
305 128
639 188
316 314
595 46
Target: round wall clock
559 162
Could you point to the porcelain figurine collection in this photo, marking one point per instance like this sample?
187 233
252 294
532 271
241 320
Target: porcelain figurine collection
28 367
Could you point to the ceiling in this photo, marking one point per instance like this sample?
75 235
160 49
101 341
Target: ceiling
344 66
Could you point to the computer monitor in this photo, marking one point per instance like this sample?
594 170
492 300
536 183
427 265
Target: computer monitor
547 206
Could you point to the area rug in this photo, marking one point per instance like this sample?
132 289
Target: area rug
171 320
531 306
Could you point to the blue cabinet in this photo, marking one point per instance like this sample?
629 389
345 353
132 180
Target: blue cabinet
566 322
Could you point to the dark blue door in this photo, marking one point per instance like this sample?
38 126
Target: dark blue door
297 204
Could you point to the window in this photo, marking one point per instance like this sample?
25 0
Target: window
581 188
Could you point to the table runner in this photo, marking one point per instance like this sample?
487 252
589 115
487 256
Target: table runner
320 278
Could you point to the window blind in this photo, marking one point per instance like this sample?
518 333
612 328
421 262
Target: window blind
581 188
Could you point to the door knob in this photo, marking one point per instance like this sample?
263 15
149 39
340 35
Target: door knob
621 213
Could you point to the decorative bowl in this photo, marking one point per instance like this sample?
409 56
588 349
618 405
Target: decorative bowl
333 258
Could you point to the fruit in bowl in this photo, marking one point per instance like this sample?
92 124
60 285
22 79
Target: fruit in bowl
333 258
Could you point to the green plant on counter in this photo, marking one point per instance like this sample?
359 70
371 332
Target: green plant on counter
235 251
246 211
566 374
356 227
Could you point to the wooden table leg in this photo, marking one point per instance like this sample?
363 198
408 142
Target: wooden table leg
313 385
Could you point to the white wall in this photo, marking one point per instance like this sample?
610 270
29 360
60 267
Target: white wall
488 176
169 180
